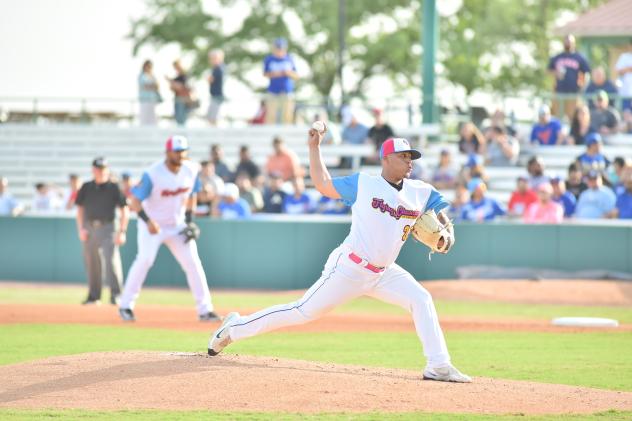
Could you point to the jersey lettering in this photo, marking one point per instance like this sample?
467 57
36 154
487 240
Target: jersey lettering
400 212
167 193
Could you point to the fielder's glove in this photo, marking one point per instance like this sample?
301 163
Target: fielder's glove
430 231
190 232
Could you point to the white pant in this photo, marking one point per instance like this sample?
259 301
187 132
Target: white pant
343 280
185 253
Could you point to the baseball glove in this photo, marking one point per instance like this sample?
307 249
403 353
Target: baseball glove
190 232
433 233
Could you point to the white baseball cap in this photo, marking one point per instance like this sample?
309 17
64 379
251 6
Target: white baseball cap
231 190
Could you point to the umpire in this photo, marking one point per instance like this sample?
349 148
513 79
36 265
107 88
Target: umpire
97 201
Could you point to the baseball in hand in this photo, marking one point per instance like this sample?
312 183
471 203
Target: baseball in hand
319 126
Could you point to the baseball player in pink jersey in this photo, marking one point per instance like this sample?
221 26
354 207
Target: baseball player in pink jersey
164 200
384 209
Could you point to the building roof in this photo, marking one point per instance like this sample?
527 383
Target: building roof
613 18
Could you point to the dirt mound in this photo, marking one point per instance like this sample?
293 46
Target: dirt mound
178 381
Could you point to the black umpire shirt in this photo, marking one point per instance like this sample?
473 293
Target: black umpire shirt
99 201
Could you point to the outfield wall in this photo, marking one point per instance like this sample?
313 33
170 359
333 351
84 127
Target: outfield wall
290 254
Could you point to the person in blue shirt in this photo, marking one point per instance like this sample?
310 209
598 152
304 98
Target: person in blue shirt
569 69
598 201
231 206
9 206
563 197
298 202
480 208
279 67
623 209
593 159
329 206
547 130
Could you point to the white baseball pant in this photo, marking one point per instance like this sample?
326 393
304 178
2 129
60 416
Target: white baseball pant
343 280
185 253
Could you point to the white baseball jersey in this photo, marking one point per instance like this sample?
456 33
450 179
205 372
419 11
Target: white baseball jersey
381 216
164 193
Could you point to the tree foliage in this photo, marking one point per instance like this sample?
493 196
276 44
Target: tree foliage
496 45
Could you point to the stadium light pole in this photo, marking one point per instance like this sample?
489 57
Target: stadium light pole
430 41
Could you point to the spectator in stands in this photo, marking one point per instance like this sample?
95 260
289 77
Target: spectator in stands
221 168
46 199
563 197
248 192
624 71
231 206
379 133
575 181
626 126
184 99
215 79
248 166
126 184
547 131
444 175
599 82
471 140
480 208
535 168
329 206
74 184
604 119
211 187
461 197
9 206
544 210
298 202
614 172
279 67
148 95
521 198
597 201
273 196
593 159
474 168
580 126
355 133
569 69
283 161
260 116
502 149
623 205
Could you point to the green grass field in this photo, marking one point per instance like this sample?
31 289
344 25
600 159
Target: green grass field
567 358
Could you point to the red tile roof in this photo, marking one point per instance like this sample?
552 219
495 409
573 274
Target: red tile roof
610 19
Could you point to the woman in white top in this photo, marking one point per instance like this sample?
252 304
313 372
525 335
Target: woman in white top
148 95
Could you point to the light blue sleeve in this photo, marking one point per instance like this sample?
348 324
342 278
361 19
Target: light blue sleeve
347 188
197 185
143 189
436 202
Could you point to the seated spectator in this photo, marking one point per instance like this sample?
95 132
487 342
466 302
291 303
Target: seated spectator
521 198
593 159
74 184
597 201
355 133
623 205
544 210
614 172
580 126
547 131
211 186
480 208
575 181
378 134
248 166
298 202
535 168
627 121
273 196
126 184
284 161
563 197
329 206
46 199
502 149
248 192
461 197
471 140
444 175
599 82
474 168
221 168
9 206
231 206
260 116
604 118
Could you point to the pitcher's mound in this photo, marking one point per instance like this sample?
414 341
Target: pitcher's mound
183 381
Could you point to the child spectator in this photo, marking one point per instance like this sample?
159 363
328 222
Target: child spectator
544 210
547 131
273 196
298 202
597 201
563 197
231 206
521 198
480 208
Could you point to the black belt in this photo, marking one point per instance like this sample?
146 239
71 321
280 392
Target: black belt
96 223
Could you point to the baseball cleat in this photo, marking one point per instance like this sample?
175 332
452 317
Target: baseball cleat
221 337
89 302
211 316
127 315
446 374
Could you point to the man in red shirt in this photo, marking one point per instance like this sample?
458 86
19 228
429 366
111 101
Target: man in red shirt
522 197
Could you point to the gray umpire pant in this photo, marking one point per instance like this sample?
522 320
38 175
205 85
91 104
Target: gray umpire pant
103 261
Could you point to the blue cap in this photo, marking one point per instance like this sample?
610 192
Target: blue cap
593 174
473 184
474 160
556 179
593 138
280 43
